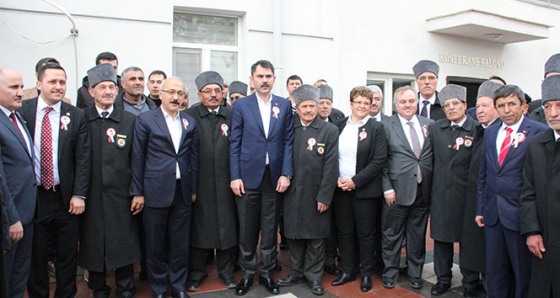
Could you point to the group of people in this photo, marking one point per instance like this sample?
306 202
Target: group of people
125 177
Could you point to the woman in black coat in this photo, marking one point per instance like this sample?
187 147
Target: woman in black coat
362 155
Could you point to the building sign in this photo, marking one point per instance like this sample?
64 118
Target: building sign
471 61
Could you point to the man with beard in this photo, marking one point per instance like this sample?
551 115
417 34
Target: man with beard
109 221
132 99
426 73
214 212
308 199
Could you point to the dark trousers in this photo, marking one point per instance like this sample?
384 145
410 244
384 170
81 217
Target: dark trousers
395 221
355 220
167 244
331 245
258 211
124 279
307 257
508 262
443 262
53 220
18 262
197 263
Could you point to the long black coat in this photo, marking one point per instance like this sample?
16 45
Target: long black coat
539 211
315 175
109 230
214 211
449 182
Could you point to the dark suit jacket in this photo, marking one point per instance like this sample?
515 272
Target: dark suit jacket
436 112
154 159
499 189
249 145
370 159
401 168
74 149
336 116
17 173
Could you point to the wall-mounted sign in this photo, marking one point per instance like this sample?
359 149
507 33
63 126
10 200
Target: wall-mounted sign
471 61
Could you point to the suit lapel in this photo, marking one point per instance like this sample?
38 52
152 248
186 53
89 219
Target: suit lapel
11 127
274 116
184 127
26 132
399 131
523 129
159 119
64 131
254 107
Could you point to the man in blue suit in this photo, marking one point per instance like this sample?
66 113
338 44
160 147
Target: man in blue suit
499 189
260 169
164 166
17 181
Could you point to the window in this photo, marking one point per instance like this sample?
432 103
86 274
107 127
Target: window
204 42
388 84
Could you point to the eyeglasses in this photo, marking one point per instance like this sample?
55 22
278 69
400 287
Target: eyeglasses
510 104
172 92
209 91
429 78
361 103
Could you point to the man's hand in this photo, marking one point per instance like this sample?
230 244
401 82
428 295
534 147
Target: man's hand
137 204
390 198
322 207
237 187
536 245
193 197
347 185
479 219
77 205
283 184
16 232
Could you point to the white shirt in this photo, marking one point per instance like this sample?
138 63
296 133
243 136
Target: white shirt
348 147
417 128
99 111
556 135
502 134
54 118
20 125
266 111
217 110
431 101
176 130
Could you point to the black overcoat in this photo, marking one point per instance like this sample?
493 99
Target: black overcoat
214 211
109 233
315 154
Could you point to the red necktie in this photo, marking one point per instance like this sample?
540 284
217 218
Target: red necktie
505 146
47 168
13 117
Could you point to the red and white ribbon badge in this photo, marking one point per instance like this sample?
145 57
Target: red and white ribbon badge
275 112
311 142
224 128
185 123
363 135
64 120
111 134
458 142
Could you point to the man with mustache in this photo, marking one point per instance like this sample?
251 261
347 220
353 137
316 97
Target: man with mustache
426 72
261 167
377 104
164 165
132 99
214 212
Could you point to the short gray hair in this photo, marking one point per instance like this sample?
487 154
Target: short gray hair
130 68
402 90
376 89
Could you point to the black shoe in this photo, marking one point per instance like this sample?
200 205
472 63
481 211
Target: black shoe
415 283
229 282
269 285
243 287
388 283
317 287
440 288
469 293
193 285
343 279
332 270
180 295
365 283
284 246
290 280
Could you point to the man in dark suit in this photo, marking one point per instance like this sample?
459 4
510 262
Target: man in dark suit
499 188
214 213
377 104
4 246
426 73
18 183
453 140
63 168
407 186
109 221
164 175
260 169
539 205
